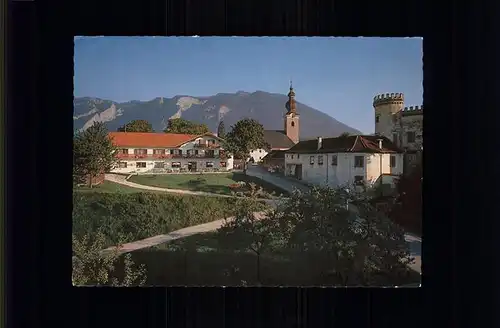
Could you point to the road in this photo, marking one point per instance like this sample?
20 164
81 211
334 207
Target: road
282 182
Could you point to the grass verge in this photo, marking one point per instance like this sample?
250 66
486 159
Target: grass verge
213 183
109 187
125 217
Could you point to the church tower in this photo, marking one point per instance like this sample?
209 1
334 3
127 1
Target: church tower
291 117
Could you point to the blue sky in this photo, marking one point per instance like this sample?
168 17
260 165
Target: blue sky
338 76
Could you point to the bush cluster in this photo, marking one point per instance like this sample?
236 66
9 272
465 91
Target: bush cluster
128 217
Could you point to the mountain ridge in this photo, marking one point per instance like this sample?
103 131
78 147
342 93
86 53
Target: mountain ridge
267 108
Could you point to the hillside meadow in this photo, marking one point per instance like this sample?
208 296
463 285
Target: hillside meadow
128 216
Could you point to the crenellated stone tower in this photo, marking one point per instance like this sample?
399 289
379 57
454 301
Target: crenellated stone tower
402 125
292 123
386 107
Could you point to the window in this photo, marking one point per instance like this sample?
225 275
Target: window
123 151
311 160
320 159
159 165
210 164
141 164
298 156
411 158
222 164
159 151
176 165
291 156
393 161
122 165
377 118
260 150
334 160
410 136
359 161
395 138
140 151
293 123
358 180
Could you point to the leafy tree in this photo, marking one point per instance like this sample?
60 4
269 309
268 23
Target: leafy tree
92 266
137 126
344 134
408 208
221 130
180 125
249 230
349 245
361 246
93 153
246 135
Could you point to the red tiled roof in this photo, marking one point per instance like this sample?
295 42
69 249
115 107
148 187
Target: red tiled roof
150 140
350 144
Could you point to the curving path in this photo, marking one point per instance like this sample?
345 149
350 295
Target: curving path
120 179
181 233
414 242
282 182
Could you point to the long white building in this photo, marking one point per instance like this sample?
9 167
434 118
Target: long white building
344 160
169 152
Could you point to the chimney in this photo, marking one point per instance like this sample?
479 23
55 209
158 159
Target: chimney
320 143
380 143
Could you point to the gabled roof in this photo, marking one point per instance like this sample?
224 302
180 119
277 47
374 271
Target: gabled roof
349 144
277 139
151 140
275 154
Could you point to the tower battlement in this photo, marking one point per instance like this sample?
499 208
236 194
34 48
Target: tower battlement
412 110
388 98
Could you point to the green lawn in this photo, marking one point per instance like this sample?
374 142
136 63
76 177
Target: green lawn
110 187
214 183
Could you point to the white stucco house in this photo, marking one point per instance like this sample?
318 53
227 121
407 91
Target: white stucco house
168 153
344 160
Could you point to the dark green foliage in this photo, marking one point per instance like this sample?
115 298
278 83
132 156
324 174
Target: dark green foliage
339 246
92 267
130 217
137 126
180 125
221 130
93 153
246 135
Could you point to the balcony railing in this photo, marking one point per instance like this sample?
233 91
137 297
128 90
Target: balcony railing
166 156
205 145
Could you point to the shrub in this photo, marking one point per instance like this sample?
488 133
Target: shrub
129 217
353 245
92 267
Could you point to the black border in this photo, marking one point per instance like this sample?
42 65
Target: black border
459 205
